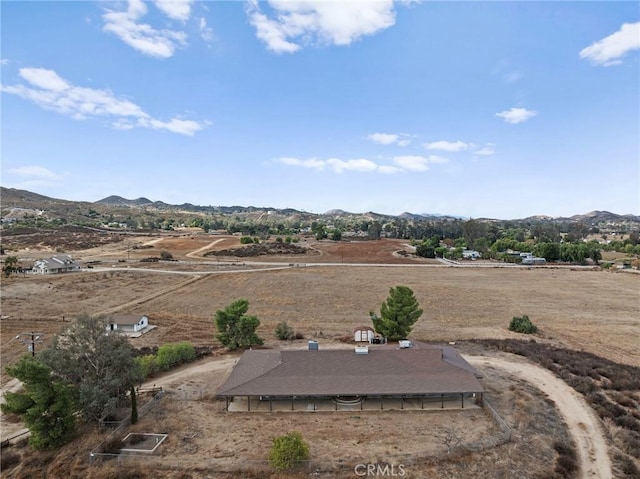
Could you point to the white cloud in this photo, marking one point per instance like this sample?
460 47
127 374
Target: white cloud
447 145
311 163
175 9
318 22
383 138
35 172
517 115
50 91
4 61
389 170
417 162
487 150
141 36
401 139
609 50
353 165
205 32
401 164
412 163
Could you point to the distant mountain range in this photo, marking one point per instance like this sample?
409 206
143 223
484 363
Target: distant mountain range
12 198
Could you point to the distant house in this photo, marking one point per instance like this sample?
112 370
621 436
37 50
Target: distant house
471 254
363 334
128 323
529 260
55 265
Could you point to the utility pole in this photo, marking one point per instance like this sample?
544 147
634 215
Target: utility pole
30 339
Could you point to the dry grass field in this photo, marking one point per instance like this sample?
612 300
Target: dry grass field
324 296
588 309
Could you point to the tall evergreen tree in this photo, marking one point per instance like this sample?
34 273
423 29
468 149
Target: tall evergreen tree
46 405
398 314
235 328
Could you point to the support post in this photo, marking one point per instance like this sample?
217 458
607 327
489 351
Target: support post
441 401
421 402
227 406
248 403
293 398
462 399
401 402
270 405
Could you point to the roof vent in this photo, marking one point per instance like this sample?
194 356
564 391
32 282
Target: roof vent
313 345
362 350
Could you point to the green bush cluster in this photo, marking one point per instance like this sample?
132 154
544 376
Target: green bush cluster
522 325
246 240
168 356
288 451
284 332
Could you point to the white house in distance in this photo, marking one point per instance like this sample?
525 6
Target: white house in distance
132 325
55 265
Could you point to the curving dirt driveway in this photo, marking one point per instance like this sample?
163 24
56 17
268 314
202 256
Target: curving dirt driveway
582 423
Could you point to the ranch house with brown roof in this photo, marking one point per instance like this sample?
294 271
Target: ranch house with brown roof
364 378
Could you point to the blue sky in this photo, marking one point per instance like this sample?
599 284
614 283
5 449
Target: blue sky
479 109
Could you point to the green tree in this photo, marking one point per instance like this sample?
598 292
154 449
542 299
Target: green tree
288 451
134 405
425 250
10 264
398 314
98 363
235 328
46 405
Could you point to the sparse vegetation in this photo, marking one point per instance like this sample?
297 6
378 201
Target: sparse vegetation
611 388
283 331
288 451
522 324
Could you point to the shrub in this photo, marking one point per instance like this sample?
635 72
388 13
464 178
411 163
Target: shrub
148 365
166 256
288 451
172 355
522 325
283 331
246 240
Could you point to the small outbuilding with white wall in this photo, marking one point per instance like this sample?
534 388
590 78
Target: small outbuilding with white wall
363 334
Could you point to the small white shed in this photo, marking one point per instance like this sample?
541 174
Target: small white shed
128 322
363 334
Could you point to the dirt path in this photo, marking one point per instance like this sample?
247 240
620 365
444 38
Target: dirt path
183 375
192 254
580 418
10 429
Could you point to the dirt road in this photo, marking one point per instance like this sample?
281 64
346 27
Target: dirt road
582 423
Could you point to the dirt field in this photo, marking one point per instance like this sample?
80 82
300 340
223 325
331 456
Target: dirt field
324 296
593 310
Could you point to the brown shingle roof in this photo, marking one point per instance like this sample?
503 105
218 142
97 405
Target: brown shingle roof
128 319
345 373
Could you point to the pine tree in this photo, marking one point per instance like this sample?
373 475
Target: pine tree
398 314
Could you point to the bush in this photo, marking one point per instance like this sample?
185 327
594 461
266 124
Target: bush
166 256
172 355
284 332
288 451
148 365
522 325
246 240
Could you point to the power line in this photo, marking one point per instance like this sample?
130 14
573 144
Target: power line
30 339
